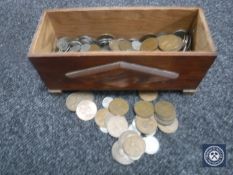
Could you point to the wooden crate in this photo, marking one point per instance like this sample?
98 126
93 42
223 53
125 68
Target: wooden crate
121 70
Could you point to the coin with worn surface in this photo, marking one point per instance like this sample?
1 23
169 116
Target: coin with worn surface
152 144
85 47
116 126
148 96
86 110
63 44
136 45
125 135
169 128
75 48
84 39
125 45
146 126
165 110
144 109
100 117
74 98
134 146
149 44
118 106
164 122
170 42
119 155
114 45
94 47
106 101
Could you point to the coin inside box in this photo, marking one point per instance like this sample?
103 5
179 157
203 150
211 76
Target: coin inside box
122 70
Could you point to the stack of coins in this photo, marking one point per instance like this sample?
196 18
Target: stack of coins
166 116
135 139
180 40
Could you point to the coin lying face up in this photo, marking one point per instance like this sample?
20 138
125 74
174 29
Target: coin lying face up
148 96
144 109
74 98
119 106
152 145
100 117
146 126
86 110
116 125
169 128
106 101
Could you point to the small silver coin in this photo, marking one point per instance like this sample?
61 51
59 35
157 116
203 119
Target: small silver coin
84 39
63 44
104 130
136 45
75 48
152 145
85 47
86 110
106 101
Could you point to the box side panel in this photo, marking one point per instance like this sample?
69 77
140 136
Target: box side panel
190 70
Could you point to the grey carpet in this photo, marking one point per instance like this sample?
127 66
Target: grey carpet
38 135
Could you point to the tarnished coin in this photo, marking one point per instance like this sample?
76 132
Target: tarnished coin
94 47
119 155
106 101
85 47
165 110
146 126
149 44
134 146
170 128
125 135
114 45
119 106
164 122
152 144
144 109
148 96
170 42
136 45
86 110
74 98
63 44
125 45
116 126
100 117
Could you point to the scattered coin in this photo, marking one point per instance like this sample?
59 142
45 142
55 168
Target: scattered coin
134 146
106 101
74 98
164 122
170 42
149 44
170 128
133 128
124 45
165 110
125 135
119 155
114 45
117 125
148 96
136 45
94 47
146 126
144 109
104 130
100 117
119 106
152 145
86 110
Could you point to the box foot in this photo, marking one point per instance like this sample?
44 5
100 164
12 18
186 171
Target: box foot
55 91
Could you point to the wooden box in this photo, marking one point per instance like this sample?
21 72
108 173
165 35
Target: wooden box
121 70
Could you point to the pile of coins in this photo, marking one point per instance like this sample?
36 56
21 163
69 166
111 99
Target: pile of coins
178 41
132 140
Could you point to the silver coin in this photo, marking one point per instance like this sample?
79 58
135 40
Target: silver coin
75 98
152 145
116 125
62 44
106 101
85 47
119 155
75 48
132 128
86 110
84 39
103 130
136 45
104 39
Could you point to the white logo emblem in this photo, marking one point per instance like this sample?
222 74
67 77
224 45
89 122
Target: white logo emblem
214 156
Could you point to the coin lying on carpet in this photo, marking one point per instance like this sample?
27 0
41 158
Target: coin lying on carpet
169 128
152 145
148 95
144 109
106 101
75 98
146 126
86 110
118 106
